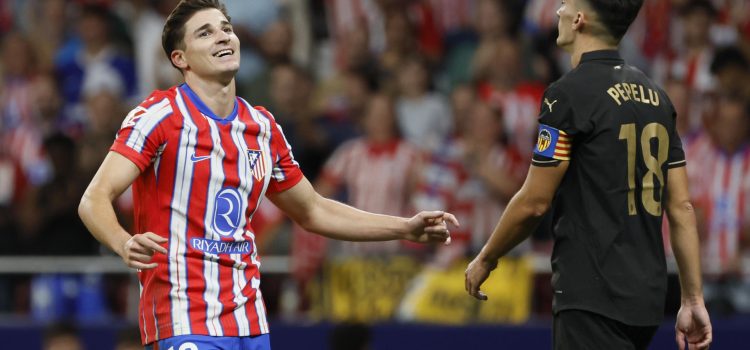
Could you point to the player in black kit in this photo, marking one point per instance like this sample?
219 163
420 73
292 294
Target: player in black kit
607 161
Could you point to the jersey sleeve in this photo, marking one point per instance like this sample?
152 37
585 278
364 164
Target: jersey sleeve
676 157
286 172
141 134
557 128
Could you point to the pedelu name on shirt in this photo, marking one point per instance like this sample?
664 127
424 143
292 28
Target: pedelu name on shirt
623 92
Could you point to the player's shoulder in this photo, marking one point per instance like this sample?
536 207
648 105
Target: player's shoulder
157 106
580 80
263 111
641 77
644 80
558 92
160 99
566 83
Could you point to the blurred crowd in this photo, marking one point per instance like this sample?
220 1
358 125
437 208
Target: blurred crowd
393 106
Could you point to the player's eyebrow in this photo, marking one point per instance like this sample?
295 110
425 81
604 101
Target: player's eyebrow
223 23
205 26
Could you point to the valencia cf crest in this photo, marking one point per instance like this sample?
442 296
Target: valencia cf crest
544 140
257 165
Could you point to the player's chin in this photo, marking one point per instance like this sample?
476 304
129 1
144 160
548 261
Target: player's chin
227 64
229 67
226 71
562 42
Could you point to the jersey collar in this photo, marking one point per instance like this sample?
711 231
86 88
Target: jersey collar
602 55
204 109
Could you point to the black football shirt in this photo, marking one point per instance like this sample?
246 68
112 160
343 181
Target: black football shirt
617 130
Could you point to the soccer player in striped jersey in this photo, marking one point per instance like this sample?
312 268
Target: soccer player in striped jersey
200 159
609 155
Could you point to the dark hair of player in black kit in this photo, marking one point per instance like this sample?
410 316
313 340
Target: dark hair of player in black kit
616 15
173 34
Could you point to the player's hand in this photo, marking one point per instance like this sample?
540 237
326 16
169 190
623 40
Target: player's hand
139 249
693 327
476 273
430 227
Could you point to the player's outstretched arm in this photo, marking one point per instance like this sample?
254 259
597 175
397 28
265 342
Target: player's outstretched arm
96 211
519 220
693 323
339 221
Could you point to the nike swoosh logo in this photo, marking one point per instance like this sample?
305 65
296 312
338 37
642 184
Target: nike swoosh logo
194 159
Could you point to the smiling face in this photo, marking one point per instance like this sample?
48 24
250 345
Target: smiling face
211 48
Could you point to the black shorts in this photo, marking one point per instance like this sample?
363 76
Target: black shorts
579 330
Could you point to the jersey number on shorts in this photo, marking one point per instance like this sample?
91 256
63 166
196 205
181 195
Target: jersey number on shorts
185 346
653 164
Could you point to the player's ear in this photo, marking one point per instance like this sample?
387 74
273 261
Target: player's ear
178 59
579 21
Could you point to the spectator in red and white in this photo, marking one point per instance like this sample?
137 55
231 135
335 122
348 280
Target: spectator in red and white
378 172
719 167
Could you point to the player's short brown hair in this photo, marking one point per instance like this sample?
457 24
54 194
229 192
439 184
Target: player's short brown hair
173 34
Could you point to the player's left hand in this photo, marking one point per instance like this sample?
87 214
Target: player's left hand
430 227
693 326
476 273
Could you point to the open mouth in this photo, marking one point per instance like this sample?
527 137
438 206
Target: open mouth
225 52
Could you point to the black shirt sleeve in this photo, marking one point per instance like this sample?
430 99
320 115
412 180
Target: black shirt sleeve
557 128
676 157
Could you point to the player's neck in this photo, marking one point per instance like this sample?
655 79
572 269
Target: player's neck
217 96
587 43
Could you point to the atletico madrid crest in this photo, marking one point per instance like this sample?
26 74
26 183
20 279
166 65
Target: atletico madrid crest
257 165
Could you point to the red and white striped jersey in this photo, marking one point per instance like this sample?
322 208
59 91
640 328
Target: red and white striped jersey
378 179
201 180
720 188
